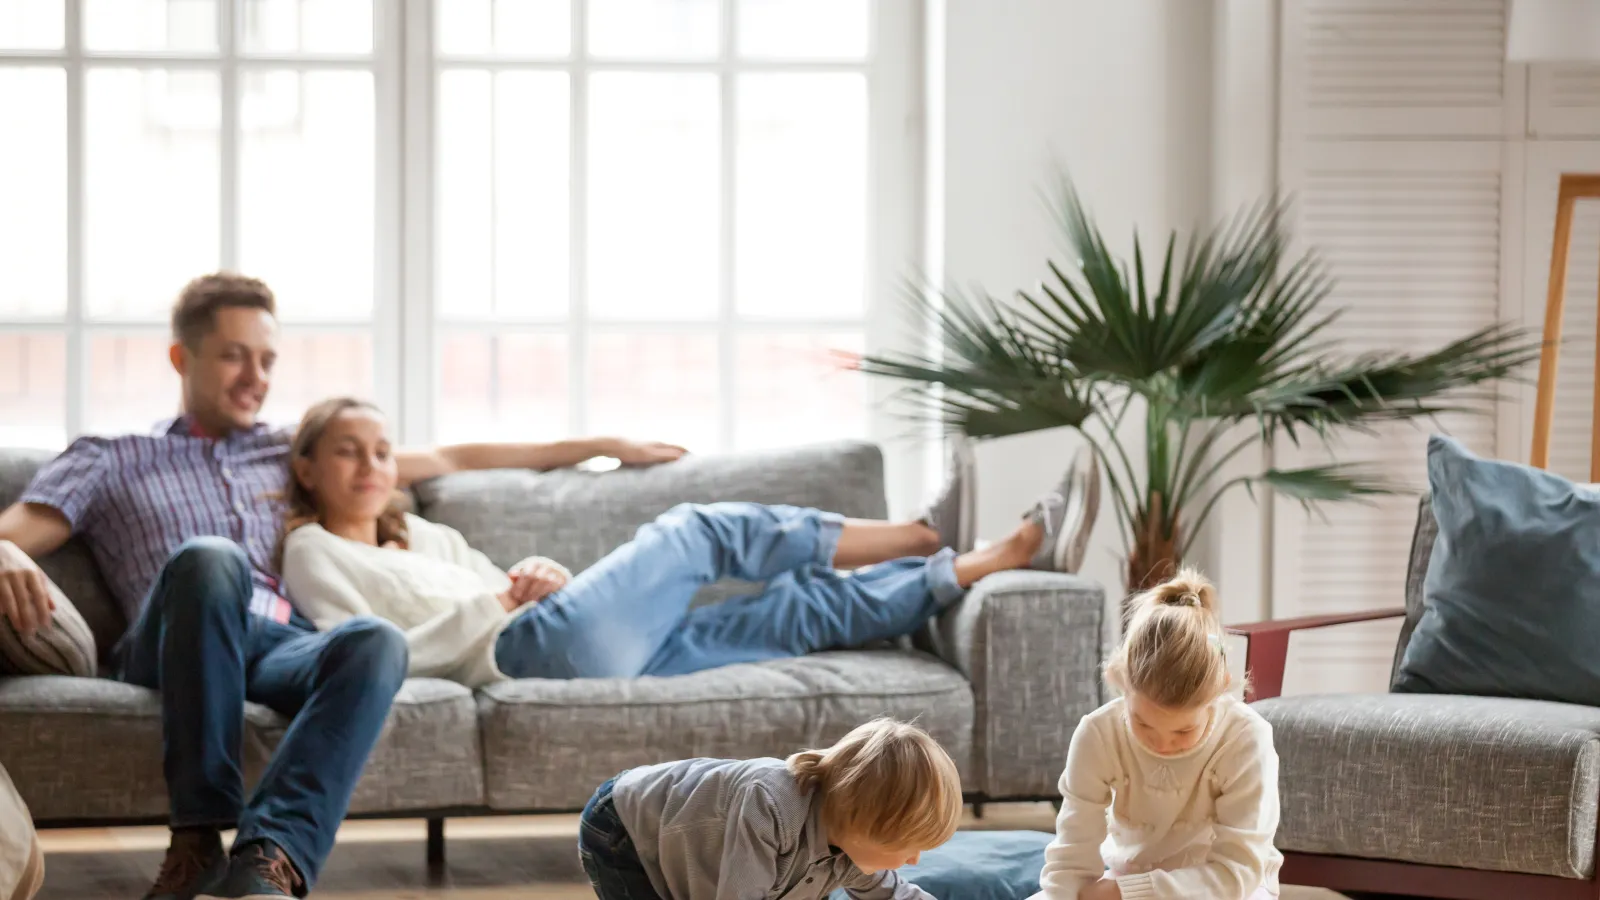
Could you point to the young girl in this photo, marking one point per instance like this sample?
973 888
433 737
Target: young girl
719 829
1186 771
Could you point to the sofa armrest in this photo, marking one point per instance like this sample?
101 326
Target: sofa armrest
1267 646
1031 644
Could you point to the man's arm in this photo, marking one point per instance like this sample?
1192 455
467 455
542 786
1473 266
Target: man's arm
34 528
430 462
27 532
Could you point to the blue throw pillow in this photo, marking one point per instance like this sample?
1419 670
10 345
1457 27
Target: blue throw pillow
1512 594
980 865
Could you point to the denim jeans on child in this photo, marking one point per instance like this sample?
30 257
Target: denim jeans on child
197 643
607 851
628 614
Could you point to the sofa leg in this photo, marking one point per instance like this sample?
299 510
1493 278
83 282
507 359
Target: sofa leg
977 809
436 850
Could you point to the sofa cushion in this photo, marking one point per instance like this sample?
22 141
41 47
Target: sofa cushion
1478 782
548 744
91 748
1511 591
63 647
576 517
72 568
979 865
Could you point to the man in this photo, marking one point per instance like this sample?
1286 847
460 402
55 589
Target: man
183 524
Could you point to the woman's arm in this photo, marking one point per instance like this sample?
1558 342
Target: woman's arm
1247 820
1072 861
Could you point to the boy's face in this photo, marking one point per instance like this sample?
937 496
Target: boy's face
871 858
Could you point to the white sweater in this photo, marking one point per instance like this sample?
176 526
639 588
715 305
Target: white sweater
440 591
1191 825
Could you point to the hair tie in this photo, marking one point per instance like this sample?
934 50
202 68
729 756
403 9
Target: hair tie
1218 642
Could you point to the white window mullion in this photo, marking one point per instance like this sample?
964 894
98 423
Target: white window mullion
578 224
388 47
727 349
418 374
77 358
228 137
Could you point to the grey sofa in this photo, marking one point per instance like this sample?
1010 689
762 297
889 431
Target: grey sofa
1428 795
1001 679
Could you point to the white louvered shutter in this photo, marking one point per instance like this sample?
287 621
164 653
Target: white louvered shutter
1564 101
1570 429
1411 231
1404 68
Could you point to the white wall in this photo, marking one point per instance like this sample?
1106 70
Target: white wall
1117 91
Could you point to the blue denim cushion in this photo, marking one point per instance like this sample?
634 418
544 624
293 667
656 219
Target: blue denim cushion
980 865
1512 595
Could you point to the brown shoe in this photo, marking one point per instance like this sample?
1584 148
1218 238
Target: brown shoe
194 862
259 870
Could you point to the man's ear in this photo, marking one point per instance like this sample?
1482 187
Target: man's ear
179 357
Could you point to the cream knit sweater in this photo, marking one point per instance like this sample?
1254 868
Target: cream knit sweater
1198 824
442 593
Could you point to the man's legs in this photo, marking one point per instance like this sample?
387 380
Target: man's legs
190 643
337 687
615 615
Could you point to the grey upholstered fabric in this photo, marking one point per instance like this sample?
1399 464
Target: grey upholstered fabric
548 744
91 748
71 568
577 517
1030 642
1422 538
1479 782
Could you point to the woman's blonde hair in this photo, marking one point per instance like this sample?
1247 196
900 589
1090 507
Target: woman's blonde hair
302 507
1172 654
886 782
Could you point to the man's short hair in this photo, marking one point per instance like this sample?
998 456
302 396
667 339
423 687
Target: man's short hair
194 315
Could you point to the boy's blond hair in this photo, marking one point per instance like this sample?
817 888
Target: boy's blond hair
886 782
1172 654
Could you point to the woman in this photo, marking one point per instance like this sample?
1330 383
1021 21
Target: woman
349 551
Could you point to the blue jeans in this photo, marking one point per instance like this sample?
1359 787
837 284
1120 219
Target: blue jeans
197 643
607 852
628 614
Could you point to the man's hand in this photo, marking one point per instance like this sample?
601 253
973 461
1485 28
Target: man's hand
24 591
532 580
1105 889
643 453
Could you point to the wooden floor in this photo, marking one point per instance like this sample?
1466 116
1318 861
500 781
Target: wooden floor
529 858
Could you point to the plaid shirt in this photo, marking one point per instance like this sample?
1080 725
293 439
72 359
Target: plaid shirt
136 498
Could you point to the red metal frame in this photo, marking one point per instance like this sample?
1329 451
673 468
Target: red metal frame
1266 654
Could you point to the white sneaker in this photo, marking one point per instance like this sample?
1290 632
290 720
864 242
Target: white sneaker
954 512
1067 513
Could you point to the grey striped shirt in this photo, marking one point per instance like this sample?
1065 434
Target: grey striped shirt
720 829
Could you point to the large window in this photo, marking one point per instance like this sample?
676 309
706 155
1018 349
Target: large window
499 218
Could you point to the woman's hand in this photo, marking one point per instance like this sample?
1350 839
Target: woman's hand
532 580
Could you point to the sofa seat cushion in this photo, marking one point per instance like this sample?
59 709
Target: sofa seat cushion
548 744
91 748
1477 782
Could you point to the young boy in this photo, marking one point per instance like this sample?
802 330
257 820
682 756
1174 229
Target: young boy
718 829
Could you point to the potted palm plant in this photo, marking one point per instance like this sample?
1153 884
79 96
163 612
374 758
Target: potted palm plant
1218 349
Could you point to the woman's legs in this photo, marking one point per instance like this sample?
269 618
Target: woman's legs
614 616
817 608
865 542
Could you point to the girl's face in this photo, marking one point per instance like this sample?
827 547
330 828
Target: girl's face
1167 731
351 471
870 857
